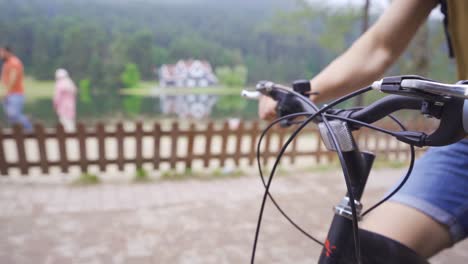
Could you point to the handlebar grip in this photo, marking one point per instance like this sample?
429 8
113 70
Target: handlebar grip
453 124
386 106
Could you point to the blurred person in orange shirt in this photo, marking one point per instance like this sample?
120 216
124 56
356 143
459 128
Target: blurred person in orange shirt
12 83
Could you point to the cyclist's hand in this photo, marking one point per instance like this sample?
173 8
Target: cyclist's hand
266 108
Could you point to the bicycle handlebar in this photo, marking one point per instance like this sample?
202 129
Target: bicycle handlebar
453 117
385 106
442 101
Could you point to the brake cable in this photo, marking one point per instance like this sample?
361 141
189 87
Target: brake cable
295 134
412 154
265 131
340 154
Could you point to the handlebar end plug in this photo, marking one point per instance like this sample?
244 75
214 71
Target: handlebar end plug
377 85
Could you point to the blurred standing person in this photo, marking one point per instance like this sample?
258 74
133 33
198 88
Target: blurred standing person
65 99
12 82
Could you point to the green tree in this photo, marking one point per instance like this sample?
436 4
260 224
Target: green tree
193 46
142 51
232 77
130 79
83 47
131 76
85 91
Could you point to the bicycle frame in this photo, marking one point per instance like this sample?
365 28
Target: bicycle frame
339 245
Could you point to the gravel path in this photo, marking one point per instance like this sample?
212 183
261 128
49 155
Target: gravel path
174 221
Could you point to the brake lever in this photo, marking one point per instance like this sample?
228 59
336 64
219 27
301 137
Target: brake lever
445 102
287 105
417 86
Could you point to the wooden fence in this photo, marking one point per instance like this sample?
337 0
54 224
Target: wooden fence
165 145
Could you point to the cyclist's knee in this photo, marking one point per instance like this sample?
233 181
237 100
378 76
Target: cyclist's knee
410 227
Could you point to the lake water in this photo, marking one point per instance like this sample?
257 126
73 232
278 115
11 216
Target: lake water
111 107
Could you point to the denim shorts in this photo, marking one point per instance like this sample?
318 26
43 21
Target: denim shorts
438 187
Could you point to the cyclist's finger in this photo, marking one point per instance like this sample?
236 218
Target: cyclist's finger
266 108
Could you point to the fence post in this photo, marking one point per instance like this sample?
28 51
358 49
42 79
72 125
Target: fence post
81 133
318 151
398 150
253 140
266 149
208 136
61 138
174 143
19 138
119 136
387 150
191 138
239 133
281 135
101 135
366 139
139 149
224 142
294 150
157 145
40 134
3 164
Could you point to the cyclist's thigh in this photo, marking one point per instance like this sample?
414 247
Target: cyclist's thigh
410 227
436 190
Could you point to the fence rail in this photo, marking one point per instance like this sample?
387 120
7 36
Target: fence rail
169 145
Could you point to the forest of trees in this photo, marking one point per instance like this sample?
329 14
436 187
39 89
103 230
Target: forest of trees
96 39
274 39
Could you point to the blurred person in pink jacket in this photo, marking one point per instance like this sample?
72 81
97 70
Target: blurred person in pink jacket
65 99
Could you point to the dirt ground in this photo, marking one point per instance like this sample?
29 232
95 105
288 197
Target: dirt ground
190 221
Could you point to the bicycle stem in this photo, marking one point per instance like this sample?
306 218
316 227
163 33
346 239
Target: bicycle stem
340 235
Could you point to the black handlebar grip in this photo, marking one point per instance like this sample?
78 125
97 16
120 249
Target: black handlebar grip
384 107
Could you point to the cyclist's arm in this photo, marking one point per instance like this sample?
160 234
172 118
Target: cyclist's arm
373 53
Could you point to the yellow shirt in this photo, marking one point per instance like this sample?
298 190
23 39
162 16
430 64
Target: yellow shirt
458 29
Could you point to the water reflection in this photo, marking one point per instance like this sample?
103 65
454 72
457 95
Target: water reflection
195 106
103 108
